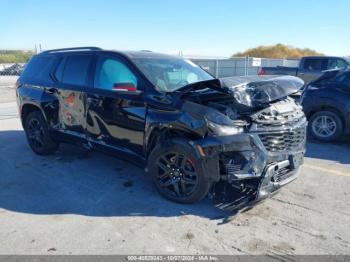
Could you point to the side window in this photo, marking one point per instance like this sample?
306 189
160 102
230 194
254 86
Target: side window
336 63
76 70
316 64
110 72
39 68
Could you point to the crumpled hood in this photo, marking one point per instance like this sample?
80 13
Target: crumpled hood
257 91
250 91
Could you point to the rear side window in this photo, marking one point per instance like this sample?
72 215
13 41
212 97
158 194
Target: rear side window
74 70
39 68
317 64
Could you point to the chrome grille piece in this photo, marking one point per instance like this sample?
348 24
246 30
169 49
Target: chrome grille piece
283 141
281 175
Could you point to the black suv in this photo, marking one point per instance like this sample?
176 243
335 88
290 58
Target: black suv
238 138
326 102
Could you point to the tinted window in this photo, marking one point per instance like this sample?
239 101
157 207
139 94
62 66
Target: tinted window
317 64
111 72
59 70
76 69
39 68
336 63
171 73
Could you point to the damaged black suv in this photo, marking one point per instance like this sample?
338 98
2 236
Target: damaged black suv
239 139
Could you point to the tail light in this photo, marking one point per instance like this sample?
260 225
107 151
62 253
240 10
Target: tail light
18 84
261 72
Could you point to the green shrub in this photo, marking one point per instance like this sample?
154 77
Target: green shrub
15 56
278 51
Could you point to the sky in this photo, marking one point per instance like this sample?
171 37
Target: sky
196 27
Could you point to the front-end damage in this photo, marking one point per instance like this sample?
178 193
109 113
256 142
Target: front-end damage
254 165
256 143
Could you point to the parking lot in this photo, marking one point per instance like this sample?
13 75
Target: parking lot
80 202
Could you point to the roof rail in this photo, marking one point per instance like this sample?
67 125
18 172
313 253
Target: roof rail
90 48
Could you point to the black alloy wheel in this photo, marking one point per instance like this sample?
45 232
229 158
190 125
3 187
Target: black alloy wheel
35 134
38 135
177 172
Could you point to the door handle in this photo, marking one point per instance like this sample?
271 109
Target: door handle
51 90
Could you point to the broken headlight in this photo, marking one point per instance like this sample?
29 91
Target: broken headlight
223 130
244 164
221 125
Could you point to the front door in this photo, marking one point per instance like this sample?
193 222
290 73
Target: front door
115 106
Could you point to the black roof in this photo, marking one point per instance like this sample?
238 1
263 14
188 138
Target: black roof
70 49
130 54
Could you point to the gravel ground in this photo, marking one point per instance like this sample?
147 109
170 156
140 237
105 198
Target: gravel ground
79 202
7 90
7 94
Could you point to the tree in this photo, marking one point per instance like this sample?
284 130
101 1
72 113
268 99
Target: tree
15 56
278 51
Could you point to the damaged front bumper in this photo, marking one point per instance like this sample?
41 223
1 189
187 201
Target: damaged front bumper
250 167
229 196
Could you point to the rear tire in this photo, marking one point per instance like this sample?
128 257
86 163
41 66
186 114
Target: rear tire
177 172
325 126
38 136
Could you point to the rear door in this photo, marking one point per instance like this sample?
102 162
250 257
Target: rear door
312 68
115 106
72 75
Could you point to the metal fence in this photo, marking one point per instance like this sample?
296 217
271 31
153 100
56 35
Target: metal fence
9 74
240 66
11 68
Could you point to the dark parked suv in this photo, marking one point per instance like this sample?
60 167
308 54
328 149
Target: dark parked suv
238 139
326 102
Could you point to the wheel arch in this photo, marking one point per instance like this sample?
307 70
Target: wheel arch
28 108
159 134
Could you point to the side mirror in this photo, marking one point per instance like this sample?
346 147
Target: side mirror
125 87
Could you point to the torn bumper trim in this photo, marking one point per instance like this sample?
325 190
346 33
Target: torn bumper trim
270 183
209 151
246 144
228 198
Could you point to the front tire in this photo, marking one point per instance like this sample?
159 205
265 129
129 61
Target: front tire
177 172
38 136
325 126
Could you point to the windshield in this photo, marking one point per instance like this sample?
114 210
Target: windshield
348 60
169 74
